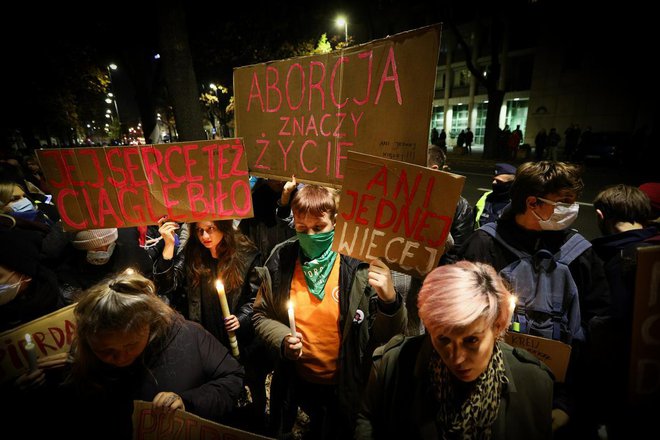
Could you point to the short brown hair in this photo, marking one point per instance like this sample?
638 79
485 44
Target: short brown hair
539 179
623 203
314 200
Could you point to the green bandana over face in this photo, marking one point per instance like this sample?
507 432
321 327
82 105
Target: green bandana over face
321 259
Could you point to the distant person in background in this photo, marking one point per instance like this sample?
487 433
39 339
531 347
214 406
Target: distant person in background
553 144
490 206
442 140
435 136
460 381
469 137
540 142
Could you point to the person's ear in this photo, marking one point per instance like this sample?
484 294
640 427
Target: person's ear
531 202
600 215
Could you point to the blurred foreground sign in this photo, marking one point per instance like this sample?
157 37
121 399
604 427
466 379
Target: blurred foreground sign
397 211
52 334
181 425
300 116
106 187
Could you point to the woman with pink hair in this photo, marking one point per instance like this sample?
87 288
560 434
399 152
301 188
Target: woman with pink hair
459 380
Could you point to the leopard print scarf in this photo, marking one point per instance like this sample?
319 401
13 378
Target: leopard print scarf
473 417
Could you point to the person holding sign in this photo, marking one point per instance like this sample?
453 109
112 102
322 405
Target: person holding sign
460 380
342 308
130 345
215 251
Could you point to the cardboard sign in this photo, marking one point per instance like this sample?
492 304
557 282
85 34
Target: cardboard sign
181 426
554 354
645 344
52 334
105 187
301 116
397 211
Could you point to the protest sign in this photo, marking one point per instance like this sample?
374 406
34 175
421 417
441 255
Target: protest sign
398 211
554 354
645 344
300 116
181 425
52 334
105 187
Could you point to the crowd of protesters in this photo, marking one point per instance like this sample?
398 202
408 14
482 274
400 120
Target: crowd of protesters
151 326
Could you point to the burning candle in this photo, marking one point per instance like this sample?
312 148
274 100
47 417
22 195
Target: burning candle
31 351
225 313
513 300
292 319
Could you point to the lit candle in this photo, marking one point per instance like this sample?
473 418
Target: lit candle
31 351
292 319
513 300
225 313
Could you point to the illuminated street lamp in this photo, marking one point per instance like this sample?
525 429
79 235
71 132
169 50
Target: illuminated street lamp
111 96
341 21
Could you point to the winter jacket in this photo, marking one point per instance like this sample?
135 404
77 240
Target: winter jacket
399 400
361 332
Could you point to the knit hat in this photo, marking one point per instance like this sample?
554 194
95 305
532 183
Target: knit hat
94 238
652 189
504 168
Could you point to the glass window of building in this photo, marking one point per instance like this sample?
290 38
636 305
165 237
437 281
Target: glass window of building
516 113
480 123
437 117
459 119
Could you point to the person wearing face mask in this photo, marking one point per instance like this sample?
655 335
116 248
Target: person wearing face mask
342 308
97 253
28 287
490 206
543 207
15 202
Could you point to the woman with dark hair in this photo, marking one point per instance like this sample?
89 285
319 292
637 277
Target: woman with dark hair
459 380
215 251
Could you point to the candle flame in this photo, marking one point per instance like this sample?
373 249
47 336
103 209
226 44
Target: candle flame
513 300
129 271
218 285
289 304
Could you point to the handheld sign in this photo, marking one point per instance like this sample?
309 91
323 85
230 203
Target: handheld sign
645 344
51 334
104 187
397 211
554 354
181 425
301 116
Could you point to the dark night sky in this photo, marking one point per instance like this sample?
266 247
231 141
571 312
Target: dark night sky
39 42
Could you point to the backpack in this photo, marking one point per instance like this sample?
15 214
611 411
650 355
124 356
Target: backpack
548 304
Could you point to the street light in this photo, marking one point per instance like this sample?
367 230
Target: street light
111 67
341 21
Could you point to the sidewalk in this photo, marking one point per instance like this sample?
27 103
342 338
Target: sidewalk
473 162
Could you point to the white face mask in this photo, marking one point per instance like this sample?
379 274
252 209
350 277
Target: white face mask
9 291
563 216
99 258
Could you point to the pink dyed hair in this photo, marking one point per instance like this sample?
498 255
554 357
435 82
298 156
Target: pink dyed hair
455 296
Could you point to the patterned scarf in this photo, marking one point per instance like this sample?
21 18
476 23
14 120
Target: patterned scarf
473 417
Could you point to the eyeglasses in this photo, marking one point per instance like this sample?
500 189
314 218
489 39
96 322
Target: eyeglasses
550 202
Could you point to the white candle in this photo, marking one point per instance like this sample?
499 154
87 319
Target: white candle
225 313
31 351
292 319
